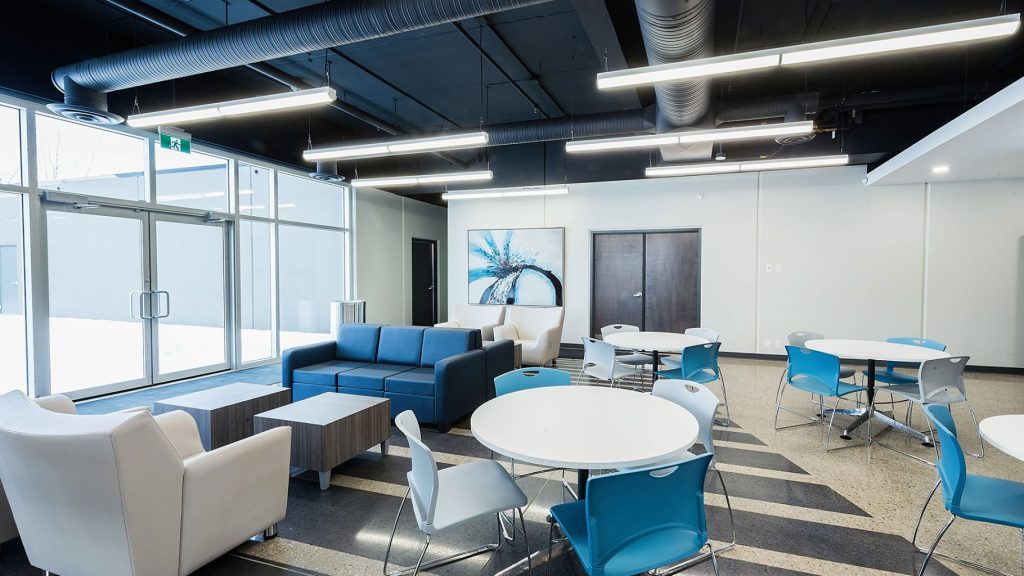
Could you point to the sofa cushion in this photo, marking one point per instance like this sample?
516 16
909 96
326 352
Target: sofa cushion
421 406
400 345
324 373
357 342
363 392
440 343
369 377
418 381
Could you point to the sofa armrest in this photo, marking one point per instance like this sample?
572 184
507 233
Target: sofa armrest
135 409
506 332
458 386
448 324
232 493
181 430
304 356
501 358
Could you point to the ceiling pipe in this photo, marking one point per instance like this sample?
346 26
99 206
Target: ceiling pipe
174 26
298 31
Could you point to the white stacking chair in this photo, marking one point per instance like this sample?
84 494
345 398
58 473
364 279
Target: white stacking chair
634 358
705 333
939 381
600 361
448 498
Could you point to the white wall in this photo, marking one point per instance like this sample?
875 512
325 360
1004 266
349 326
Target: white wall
385 226
853 258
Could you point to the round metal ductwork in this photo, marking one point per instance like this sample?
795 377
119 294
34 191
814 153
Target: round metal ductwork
84 105
326 171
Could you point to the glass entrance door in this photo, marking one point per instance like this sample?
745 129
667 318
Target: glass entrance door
190 292
98 262
135 298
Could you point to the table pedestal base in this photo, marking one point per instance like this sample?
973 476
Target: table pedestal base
862 417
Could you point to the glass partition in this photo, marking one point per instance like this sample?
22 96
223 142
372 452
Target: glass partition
193 180
76 158
256 245
254 190
306 200
12 295
10 146
312 274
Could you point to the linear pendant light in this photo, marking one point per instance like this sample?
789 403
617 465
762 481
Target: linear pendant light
526 191
689 137
394 148
748 166
258 104
924 37
424 179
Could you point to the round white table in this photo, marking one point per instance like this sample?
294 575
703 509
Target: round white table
874 351
654 342
584 427
1005 433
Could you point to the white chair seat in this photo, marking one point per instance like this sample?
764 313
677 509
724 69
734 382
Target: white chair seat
671 361
634 359
618 372
912 392
470 491
846 372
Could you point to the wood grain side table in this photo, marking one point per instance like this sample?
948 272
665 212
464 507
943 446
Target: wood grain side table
225 414
331 428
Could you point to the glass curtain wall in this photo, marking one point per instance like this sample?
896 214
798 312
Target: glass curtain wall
274 248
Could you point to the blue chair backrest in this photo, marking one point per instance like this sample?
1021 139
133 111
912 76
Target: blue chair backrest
913 341
807 363
528 378
700 357
951 464
631 506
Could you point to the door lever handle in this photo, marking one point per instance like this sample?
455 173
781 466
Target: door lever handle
638 295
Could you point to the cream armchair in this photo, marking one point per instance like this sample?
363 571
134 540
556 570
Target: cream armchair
539 330
129 494
483 317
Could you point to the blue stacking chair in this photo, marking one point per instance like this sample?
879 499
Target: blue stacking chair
889 375
638 520
529 378
700 365
968 496
817 373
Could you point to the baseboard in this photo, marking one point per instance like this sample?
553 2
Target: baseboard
576 351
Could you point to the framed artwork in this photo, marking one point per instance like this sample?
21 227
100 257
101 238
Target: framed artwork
523 266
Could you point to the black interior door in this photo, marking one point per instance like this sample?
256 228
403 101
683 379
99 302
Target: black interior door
671 281
424 282
618 280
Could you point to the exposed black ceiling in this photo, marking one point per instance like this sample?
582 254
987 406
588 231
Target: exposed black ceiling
531 64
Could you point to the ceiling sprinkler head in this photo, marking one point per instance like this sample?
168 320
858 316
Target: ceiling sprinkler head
720 156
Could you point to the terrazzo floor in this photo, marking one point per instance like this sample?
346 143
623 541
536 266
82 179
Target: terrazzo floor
798 510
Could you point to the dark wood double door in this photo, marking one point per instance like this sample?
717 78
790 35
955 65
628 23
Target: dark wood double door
647 279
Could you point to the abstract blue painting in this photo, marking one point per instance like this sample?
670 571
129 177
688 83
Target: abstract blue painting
519 266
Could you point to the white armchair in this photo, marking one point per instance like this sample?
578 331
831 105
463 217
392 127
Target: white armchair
129 494
538 330
483 317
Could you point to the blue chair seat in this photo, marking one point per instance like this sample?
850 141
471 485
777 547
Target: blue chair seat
992 500
813 385
324 373
634 557
700 376
418 381
371 376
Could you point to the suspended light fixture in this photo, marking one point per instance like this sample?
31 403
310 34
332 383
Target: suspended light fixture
748 166
394 148
256 105
525 191
692 136
393 181
899 40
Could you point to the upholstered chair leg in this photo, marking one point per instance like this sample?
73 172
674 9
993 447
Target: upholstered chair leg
270 532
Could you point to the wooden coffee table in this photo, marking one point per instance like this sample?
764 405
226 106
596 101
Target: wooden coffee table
225 413
330 429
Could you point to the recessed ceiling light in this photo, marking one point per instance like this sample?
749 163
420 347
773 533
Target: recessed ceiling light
940 169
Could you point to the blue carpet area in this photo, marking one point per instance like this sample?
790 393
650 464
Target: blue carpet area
270 374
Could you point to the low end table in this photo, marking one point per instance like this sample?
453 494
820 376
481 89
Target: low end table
331 428
225 414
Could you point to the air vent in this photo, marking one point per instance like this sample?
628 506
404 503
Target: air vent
795 139
326 171
84 105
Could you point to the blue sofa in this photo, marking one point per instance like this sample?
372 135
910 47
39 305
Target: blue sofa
441 374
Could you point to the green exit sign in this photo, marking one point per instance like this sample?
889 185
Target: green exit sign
177 140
